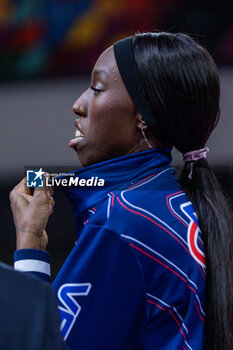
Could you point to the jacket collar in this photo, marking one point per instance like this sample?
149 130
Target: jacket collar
118 173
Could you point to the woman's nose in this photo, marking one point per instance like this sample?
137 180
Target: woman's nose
80 105
78 109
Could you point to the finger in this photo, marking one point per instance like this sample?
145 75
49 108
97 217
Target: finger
51 205
50 189
19 203
52 201
50 192
39 198
20 188
46 188
42 197
26 196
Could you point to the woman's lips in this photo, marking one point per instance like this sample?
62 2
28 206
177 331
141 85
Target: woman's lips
79 136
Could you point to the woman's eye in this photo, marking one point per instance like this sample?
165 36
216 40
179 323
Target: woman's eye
96 90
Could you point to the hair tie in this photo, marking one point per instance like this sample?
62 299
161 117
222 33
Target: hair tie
194 156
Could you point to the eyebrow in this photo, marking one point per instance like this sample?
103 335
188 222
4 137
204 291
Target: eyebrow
100 72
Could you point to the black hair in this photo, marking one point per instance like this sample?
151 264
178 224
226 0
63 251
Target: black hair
181 82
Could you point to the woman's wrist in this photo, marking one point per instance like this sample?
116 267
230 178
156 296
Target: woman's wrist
30 240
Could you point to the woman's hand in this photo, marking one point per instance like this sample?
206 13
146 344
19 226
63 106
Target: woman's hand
31 210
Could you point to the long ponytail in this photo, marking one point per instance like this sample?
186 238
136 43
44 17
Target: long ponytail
215 221
182 84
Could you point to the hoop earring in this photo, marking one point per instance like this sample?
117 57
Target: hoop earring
146 140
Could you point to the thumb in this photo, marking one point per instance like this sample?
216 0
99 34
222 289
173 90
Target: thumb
43 194
19 203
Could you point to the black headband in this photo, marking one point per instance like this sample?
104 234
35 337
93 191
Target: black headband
130 75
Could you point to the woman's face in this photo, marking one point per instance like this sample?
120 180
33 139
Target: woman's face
106 116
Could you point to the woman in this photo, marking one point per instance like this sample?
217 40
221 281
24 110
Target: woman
136 278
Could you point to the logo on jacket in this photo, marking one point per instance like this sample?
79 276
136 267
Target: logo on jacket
35 178
71 308
192 235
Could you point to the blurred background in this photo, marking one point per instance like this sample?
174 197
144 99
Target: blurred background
47 51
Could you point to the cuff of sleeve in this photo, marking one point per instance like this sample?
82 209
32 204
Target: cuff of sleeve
33 260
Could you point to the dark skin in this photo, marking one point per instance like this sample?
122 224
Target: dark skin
31 210
107 116
111 127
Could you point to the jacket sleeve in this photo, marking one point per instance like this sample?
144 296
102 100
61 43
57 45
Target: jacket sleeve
36 262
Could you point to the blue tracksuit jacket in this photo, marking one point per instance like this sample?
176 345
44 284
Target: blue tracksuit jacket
135 278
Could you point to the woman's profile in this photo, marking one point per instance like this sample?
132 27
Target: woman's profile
152 267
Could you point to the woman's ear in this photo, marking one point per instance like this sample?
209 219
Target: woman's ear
141 124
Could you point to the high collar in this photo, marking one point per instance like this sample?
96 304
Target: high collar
118 173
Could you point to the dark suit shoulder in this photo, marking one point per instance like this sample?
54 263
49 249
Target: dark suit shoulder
27 304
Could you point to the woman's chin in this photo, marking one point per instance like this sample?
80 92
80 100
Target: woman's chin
83 157
86 159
